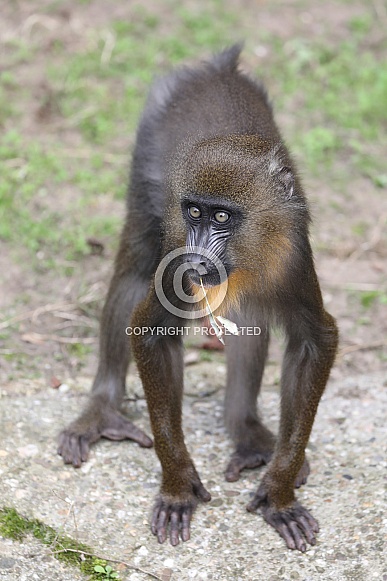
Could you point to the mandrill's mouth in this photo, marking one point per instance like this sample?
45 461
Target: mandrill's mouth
209 279
208 270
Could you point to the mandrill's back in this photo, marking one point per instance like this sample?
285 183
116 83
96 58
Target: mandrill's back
192 104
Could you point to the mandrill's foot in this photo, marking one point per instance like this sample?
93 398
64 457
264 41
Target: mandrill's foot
245 457
255 457
177 513
294 523
99 420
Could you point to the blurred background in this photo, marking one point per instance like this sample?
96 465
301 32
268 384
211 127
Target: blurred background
73 79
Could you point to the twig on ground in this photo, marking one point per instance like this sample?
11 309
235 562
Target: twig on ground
114 158
37 338
68 361
70 510
80 552
361 347
45 21
50 307
381 12
355 286
93 294
110 43
71 324
376 235
16 319
34 315
71 317
108 559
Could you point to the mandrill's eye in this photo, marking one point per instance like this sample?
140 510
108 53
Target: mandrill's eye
221 216
194 212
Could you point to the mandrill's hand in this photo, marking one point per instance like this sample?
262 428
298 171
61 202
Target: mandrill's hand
176 511
294 523
97 421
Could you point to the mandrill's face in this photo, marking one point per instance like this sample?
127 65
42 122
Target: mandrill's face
210 224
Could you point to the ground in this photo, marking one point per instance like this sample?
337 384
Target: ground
73 78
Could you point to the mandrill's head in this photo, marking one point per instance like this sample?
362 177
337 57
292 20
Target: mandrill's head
239 204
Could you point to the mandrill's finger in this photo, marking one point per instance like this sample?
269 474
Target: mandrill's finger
185 524
123 429
307 530
286 534
233 470
85 448
75 447
297 536
259 499
155 517
174 523
140 437
69 449
162 524
201 492
239 462
311 521
253 504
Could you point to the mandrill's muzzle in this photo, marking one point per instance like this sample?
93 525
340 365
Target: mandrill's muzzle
205 269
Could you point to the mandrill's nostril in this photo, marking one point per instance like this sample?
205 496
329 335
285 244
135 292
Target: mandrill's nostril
199 267
198 263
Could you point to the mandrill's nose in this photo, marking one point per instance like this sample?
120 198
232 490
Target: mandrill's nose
198 263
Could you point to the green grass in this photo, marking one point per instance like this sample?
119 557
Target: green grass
30 175
79 350
341 98
15 526
369 298
106 83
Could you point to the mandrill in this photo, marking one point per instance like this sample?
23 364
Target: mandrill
214 192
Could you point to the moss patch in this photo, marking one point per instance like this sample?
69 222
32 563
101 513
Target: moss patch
14 526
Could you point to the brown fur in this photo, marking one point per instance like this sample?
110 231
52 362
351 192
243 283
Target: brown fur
233 290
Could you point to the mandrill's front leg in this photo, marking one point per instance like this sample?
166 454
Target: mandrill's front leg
307 363
160 362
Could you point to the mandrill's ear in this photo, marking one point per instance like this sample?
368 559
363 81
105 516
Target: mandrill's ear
286 179
282 174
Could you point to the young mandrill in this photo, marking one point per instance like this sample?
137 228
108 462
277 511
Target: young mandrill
213 180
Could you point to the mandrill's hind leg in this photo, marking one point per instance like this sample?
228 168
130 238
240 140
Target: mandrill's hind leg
101 416
254 442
